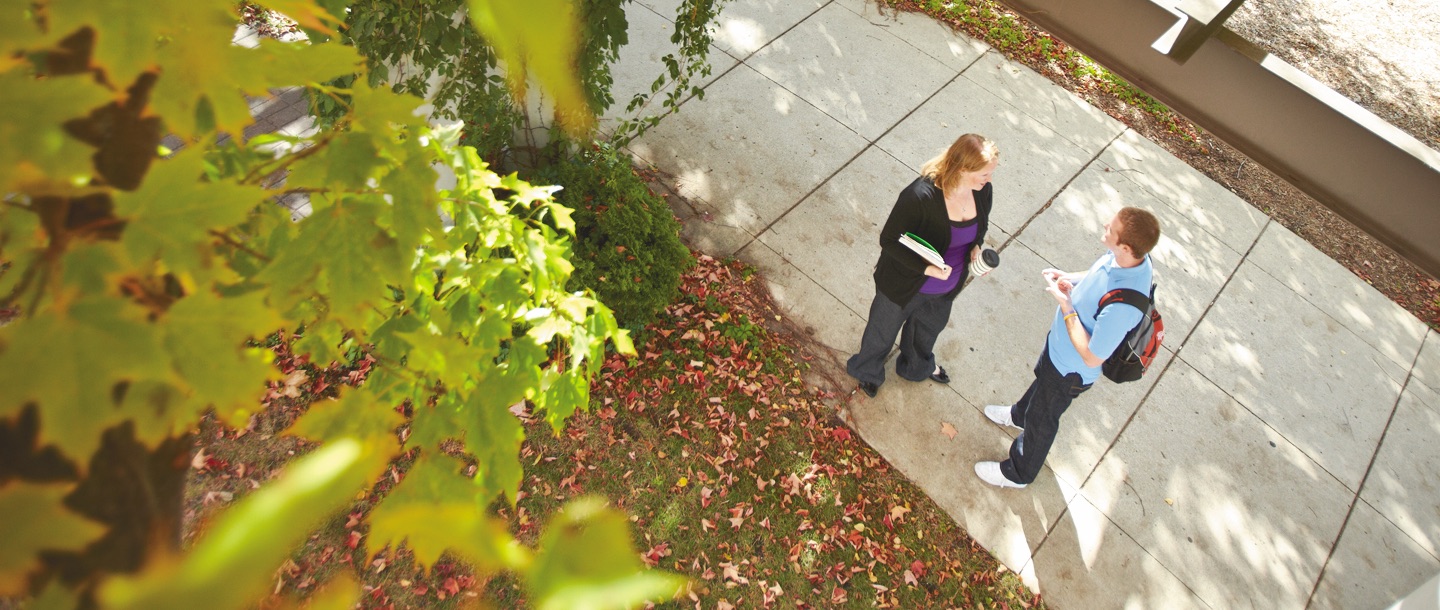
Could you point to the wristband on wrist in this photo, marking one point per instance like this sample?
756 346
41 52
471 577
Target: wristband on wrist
1067 316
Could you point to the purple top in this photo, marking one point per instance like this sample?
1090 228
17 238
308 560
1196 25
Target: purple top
962 234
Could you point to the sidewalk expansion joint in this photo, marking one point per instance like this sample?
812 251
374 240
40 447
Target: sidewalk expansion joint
1016 234
869 144
1369 468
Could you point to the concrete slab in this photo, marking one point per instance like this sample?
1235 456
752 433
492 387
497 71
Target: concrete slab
1208 205
1298 370
832 59
1221 499
1427 365
750 148
1088 562
641 62
936 39
833 236
1333 289
1035 161
744 26
996 331
903 422
1094 421
1374 563
1072 117
1404 482
821 315
1190 265
699 225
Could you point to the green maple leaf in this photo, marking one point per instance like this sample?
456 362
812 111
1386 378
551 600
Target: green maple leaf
93 267
160 411
358 414
379 110
191 46
565 393
69 359
434 509
524 35
32 116
206 337
414 199
347 164
127 41
322 340
435 424
443 357
218 72
494 434
341 254
174 208
18 30
585 556
33 519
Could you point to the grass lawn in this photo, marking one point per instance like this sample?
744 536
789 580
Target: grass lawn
733 471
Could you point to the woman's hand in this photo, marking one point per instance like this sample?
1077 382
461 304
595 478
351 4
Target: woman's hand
975 253
939 273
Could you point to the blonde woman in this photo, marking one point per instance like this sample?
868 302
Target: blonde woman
948 206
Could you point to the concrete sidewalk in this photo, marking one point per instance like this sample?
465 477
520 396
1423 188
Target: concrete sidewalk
1281 454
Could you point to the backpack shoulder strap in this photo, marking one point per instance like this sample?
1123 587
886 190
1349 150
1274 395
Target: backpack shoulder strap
1128 296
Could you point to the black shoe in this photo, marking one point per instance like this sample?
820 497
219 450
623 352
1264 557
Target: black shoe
869 388
940 377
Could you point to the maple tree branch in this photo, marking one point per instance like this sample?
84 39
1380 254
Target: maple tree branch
238 245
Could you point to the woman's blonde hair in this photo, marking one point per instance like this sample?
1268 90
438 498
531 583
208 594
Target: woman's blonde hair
970 153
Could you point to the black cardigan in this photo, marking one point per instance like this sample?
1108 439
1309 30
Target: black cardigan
920 209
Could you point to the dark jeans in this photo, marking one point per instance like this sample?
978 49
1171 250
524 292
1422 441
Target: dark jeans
918 323
1039 412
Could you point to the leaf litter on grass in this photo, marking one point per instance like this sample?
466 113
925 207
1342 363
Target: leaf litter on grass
736 474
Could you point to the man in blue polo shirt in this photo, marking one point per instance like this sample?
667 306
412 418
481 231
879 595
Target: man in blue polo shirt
1081 338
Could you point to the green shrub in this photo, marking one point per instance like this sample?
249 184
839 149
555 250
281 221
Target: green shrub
627 246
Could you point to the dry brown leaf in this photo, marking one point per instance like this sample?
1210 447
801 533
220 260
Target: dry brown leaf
199 461
948 430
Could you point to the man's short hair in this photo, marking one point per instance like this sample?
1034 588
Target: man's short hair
1139 230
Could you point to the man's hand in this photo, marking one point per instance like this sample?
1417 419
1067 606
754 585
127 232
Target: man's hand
1065 280
1059 288
939 273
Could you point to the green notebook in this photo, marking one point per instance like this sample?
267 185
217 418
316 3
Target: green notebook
922 241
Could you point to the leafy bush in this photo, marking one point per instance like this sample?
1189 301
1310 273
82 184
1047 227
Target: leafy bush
627 242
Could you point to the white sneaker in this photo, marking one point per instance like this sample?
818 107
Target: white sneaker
989 472
1000 414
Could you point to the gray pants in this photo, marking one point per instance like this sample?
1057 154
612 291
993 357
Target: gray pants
918 323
